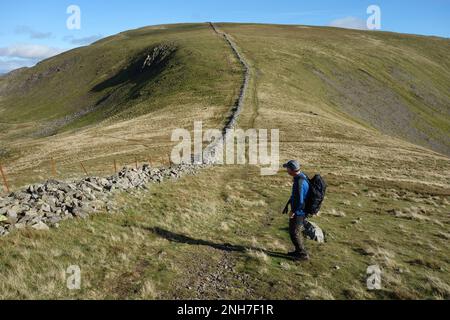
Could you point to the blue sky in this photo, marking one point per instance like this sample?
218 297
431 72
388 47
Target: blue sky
33 30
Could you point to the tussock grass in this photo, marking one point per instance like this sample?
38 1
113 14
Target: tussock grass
149 249
440 289
221 234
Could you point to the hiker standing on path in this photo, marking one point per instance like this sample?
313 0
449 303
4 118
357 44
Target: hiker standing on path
297 215
298 224
306 198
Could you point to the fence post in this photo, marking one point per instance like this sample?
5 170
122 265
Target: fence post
84 169
5 181
136 161
115 166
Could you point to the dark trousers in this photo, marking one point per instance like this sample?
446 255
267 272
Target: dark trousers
297 226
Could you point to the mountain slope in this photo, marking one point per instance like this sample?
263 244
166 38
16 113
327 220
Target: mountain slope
90 77
220 234
96 103
396 83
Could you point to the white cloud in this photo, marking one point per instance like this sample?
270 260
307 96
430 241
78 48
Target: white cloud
349 23
12 64
33 34
24 55
29 51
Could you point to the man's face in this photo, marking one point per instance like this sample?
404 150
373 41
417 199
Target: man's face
291 172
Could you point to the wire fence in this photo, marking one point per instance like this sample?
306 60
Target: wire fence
58 170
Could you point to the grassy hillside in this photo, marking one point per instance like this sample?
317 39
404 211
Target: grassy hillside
96 103
396 83
332 93
179 241
109 77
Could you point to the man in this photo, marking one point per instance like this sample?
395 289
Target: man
297 216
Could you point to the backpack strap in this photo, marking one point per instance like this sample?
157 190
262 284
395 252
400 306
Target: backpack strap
300 189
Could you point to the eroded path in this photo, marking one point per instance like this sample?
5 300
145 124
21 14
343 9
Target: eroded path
237 108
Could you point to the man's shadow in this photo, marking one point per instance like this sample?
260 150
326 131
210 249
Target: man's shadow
179 238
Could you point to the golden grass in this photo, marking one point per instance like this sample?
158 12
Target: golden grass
172 240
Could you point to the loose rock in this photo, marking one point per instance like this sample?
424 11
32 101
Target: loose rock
40 226
44 204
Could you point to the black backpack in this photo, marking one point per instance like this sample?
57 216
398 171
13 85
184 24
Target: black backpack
316 193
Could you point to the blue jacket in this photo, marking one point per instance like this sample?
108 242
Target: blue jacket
299 194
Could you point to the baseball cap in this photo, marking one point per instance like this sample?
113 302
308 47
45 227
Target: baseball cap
292 164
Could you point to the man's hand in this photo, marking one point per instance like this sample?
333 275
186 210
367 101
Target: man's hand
292 215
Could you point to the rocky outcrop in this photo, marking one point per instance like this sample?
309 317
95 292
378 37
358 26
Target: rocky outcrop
158 54
42 205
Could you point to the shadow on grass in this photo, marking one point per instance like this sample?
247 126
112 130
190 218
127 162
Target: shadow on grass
179 238
136 74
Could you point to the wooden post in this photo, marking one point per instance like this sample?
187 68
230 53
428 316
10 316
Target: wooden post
53 164
136 161
115 166
5 181
170 161
84 169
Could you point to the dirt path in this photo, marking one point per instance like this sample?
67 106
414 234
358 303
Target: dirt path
215 278
208 278
237 108
250 80
210 154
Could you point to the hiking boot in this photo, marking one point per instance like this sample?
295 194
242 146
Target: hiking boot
293 254
298 256
301 257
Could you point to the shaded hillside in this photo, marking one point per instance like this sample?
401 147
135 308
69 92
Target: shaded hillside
107 100
107 78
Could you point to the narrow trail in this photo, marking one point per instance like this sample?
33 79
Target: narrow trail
245 87
254 91
210 154
204 280
239 104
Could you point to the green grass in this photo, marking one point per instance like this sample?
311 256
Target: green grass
83 71
169 241
393 82
200 81
220 234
